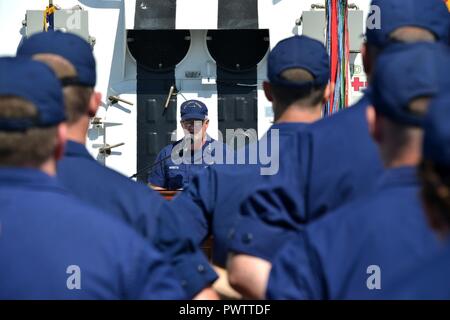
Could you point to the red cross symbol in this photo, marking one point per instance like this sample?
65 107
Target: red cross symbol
357 85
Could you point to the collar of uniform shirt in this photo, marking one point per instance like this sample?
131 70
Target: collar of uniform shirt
26 177
77 149
406 175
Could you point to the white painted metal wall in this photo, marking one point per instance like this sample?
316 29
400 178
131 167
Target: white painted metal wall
116 68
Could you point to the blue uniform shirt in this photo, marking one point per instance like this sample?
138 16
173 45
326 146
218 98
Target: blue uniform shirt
430 281
46 234
134 203
169 175
131 202
210 205
344 160
339 163
335 256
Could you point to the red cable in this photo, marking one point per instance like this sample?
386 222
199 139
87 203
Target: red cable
334 48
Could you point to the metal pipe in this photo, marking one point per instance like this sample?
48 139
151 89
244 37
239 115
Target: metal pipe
172 89
107 149
115 99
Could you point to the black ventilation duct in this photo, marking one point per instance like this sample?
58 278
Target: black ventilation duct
158 50
238 50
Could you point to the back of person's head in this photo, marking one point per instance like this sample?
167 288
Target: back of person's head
76 98
78 88
404 21
298 72
78 103
31 109
406 78
435 168
25 148
307 97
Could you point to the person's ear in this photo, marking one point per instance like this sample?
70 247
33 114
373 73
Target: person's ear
327 93
268 90
94 103
366 58
61 139
374 124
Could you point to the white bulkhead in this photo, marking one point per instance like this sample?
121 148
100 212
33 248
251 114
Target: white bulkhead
195 74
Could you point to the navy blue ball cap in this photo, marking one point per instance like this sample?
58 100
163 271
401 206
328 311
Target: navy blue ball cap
67 45
303 53
405 72
437 131
36 83
193 110
431 15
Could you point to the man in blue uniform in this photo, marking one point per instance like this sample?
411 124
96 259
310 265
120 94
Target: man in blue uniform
131 202
298 73
431 279
53 246
343 162
194 152
353 252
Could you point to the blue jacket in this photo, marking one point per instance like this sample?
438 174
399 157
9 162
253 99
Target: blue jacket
210 205
377 235
428 281
338 162
131 202
51 242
